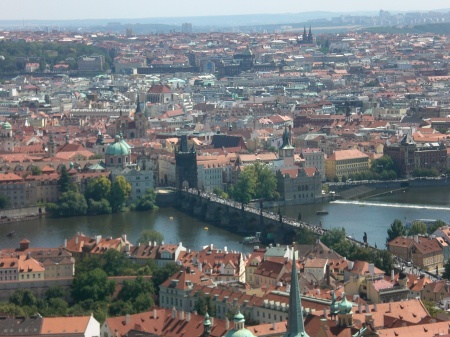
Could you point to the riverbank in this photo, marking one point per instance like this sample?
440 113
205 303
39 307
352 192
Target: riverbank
21 214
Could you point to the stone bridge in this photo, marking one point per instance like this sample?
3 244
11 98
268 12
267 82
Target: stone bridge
241 218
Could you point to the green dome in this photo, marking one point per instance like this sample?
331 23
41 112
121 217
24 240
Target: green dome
119 148
334 307
345 307
239 317
239 333
239 328
6 126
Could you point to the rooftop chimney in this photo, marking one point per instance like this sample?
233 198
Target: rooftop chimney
360 308
174 313
65 243
392 275
324 323
368 319
227 324
155 313
188 317
127 319
182 315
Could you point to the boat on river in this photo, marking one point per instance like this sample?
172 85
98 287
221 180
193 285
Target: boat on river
11 234
322 212
248 240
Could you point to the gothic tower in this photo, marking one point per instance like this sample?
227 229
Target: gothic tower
295 324
140 120
286 151
185 165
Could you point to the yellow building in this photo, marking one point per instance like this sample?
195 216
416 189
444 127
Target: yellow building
345 163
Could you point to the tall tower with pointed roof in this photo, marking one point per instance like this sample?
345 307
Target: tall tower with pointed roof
286 150
140 120
295 324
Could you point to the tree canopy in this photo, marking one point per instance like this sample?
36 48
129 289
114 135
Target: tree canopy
395 230
150 235
147 201
120 192
256 181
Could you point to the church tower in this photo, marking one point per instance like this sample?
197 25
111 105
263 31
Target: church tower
140 120
286 151
310 36
51 146
295 324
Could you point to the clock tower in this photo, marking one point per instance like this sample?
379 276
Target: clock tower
286 151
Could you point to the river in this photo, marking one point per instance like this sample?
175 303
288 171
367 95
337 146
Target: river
372 215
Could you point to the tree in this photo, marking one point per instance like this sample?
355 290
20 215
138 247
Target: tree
120 192
395 230
446 273
147 201
220 193
36 171
69 204
162 274
92 285
114 261
435 226
98 188
98 207
256 181
305 236
64 181
132 289
333 236
335 179
417 227
55 292
244 189
23 297
266 182
204 303
150 235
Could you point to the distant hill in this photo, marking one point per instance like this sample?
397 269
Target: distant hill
216 21
433 28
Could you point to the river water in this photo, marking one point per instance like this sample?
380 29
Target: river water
372 215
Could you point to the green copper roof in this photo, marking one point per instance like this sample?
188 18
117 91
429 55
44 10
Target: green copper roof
119 148
6 126
345 307
239 317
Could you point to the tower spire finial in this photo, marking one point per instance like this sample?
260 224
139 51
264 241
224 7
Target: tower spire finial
296 326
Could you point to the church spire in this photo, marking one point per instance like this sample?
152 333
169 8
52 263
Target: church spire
138 105
295 326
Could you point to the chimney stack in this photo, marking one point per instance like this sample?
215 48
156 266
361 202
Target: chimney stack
65 243
360 308
392 275
227 324
155 314
188 316
182 315
127 319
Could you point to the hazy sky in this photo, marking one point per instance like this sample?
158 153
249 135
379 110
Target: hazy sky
103 9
